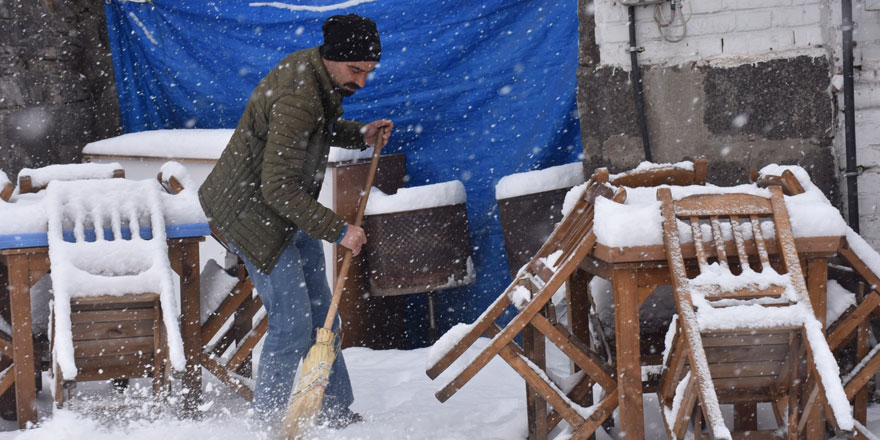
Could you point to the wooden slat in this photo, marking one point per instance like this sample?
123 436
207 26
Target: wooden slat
735 383
114 302
92 316
736 229
483 323
114 367
863 376
722 204
518 363
847 326
718 239
591 364
112 330
519 321
686 408
761 368
747 353
697 231
22 338
674 369
223 374
7 381
247 346
754 337
860 267
603 411
6 191
758 238
747 292
112 347
227 308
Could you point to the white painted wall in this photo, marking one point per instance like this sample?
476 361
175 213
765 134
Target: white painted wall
733 32
714 29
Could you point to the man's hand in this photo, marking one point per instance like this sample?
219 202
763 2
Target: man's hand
373 130
354 239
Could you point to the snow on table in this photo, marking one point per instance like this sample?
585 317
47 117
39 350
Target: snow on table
418 197
531 182
637 222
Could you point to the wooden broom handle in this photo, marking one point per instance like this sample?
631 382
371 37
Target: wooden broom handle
362 205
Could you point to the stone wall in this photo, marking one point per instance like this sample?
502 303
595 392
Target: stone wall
751 83
57 90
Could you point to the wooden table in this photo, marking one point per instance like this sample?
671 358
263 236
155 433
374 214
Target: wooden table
25 259
635 273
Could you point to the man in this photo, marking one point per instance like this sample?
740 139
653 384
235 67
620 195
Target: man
262 196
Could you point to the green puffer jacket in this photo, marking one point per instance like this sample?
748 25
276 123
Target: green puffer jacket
265 184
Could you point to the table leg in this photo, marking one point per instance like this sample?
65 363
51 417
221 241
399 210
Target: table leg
190 328
536 407
624 283
22 339
817 279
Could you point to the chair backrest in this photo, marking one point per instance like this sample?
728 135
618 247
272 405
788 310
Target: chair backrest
657 175
107 237
731 232
36 179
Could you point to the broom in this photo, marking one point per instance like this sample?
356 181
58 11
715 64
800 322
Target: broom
308 394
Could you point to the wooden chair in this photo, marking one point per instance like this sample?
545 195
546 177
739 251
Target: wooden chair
530 293
787 180
73 171
240 306
745 331
663 175
111 281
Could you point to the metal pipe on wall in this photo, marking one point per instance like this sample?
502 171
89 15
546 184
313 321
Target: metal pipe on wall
638 93
852 173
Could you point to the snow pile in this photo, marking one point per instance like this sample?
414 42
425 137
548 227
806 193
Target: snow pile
838 301
419 197
548 179
41 177
346 155
187 143
4 179
109 264
178 143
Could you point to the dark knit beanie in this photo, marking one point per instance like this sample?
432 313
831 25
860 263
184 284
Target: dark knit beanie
350 38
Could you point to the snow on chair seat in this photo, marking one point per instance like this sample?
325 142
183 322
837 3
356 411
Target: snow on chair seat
729 342
108 251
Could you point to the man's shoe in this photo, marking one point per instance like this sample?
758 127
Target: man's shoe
339 419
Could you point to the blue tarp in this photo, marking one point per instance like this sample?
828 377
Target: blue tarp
477 90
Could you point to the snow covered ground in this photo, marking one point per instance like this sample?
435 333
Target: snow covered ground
391 391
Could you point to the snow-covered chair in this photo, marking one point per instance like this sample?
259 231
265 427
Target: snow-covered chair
227 296
31 180
530 293
745 330
115 310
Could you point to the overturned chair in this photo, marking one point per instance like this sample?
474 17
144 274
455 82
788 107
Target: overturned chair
115 310
746 331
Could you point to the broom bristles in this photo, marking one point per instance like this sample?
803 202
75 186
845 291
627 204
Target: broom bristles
308 394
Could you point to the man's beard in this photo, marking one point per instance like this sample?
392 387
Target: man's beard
348 89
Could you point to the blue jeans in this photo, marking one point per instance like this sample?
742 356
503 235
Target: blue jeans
296 297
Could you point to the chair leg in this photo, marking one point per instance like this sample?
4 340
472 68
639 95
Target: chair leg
59 387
